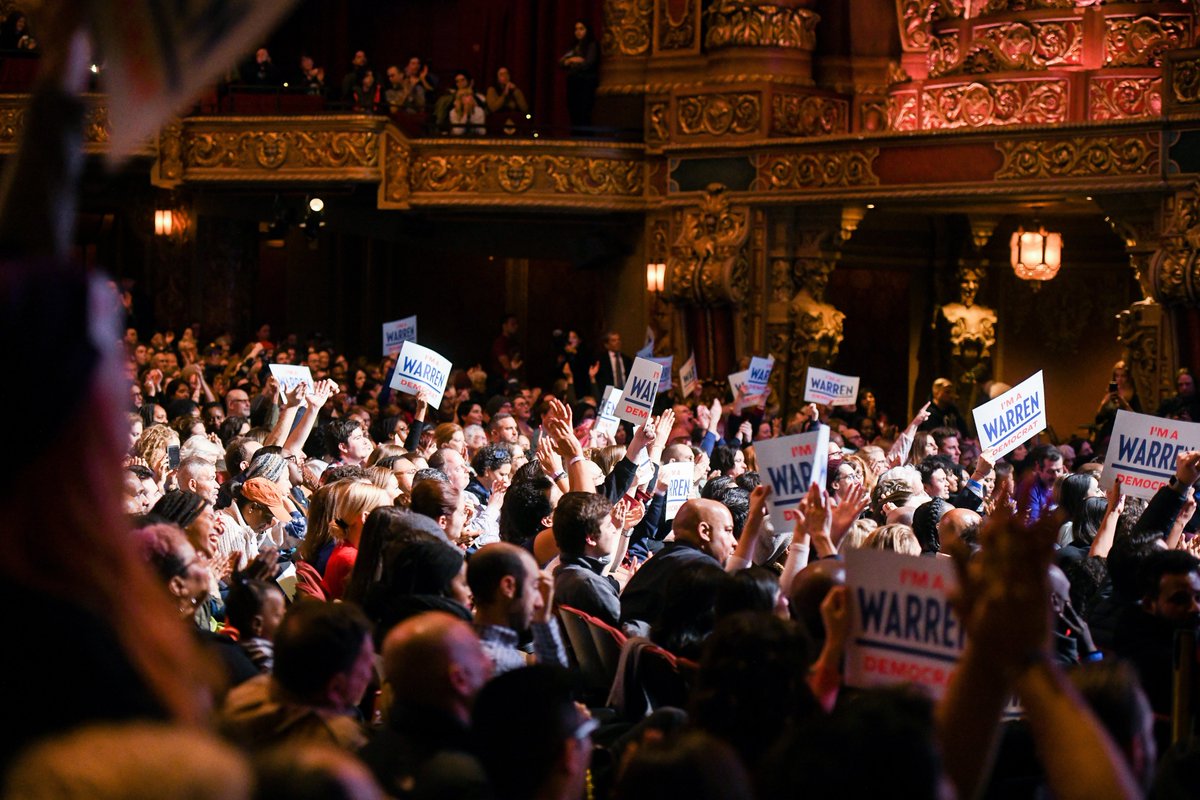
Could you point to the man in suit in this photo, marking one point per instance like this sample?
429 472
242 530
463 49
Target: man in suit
614 365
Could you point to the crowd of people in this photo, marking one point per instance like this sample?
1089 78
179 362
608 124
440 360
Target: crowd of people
228 587
415 97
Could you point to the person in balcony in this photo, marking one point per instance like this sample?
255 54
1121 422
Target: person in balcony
506 102
467 116
582 63
368 95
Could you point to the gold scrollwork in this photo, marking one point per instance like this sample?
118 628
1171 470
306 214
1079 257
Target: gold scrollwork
275 150
915 18
627 25
1078 157
732 23
818 170
1185 80
658 128
457 173
708 259
1141 41
1009 46
808 115
902 111
676 32
595 176
396 158
977 104
1124 98
717 114
514 173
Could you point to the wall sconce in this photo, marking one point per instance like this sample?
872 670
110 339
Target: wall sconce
171 224
1036 255
656 276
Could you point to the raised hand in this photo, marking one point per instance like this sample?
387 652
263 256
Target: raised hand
853 502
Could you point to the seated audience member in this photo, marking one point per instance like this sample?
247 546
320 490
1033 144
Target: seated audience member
253 611
586 538
539 738
513 598
323 665
433 669
466 116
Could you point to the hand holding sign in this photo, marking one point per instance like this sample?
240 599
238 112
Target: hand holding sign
422 372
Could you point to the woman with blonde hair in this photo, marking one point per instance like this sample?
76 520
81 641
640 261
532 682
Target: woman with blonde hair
352 503
385 479
895 537
385 450
450 434
152 447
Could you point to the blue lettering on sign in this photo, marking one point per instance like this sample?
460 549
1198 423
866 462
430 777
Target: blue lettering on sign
679 487
789 479
1157 458
916 619
424 372
643 389
759 375
1012 418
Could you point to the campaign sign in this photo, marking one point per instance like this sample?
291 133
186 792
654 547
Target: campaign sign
902 629
664 383
637 398
1011 418
760 375
422 372
791 464
678 477
648 348
688 382
606 420
738 380
396 333
829 388
1143 450
289 375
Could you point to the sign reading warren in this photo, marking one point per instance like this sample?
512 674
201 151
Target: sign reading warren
664 383
760 375
829 388
1011 418
688 381
790 465
1143 450
606 420
902 629
637 399
678 477
289 375
396 333
422 372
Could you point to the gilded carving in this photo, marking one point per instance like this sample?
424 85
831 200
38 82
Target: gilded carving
658 129
970 331
514 173
1174 268
902 110
1005 6
817 327
1009 46
12 122
916 16
1185 80
595 176
1139 328
676 24
994 103
274 150
811 115
170 153
396 157
1124 98
817 170
708 260
1141 41
95 125
1079 157
717 114
731 23
627 25
457 173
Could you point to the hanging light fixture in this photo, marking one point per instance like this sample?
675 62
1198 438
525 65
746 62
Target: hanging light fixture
656 275
1036 254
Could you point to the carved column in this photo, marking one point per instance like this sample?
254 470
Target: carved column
815 326
625 44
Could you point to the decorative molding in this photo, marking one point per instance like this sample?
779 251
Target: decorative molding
903 111
1009 46
395 188
675 28
915 18
708 264
628 25
787 172
520 174
595 176
808 115
658 122
718 114
96 127
1011 102
1142 41
733 23
1079 157
1185 80
1124 98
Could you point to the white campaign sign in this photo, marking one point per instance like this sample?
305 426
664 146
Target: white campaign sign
396 333
637 398
829 388
789 465
289 375
760 375
1143 450
606 420
422 372
742 379
688 382
1011 418
678 477
902 629
664 383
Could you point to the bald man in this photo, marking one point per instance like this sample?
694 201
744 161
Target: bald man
959 523
433 666
703 532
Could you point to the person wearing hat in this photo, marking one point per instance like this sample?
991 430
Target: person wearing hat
257 505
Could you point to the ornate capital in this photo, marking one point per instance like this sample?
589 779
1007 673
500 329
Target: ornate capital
628 25
738 23
708 264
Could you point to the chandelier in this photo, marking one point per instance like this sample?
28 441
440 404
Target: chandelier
1036 255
